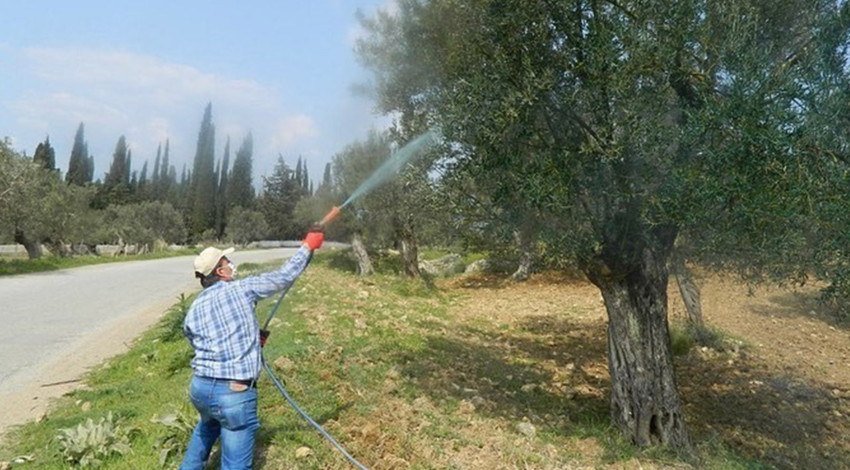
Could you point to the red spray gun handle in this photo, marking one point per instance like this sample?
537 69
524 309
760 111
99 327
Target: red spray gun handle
316 236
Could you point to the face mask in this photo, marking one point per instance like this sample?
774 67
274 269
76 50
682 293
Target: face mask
232 268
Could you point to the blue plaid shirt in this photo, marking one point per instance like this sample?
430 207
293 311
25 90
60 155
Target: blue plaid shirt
222 327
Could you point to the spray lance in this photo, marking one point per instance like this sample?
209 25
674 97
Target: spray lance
330 216
387 169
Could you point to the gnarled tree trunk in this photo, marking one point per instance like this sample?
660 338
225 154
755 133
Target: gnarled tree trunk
633 277
33 247
525 237
364 264
58 248
409 248
689 291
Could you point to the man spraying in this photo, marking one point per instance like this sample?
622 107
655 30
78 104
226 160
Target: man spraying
222 327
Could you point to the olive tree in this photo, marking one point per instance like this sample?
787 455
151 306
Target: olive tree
626 126
245 225
386 175
37 207
143 224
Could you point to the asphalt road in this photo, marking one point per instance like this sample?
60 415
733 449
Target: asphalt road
56 325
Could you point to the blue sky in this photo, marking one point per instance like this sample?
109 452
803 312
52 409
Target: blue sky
282 70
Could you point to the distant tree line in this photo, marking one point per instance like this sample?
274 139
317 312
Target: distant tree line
210 201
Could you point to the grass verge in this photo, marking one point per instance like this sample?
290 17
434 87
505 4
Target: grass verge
403 375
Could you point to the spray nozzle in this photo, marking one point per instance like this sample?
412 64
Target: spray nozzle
330 216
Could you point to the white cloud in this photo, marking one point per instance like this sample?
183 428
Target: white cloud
145 98
291 129
159 126
126 76
65 105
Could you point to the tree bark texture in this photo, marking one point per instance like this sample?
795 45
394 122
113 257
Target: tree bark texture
409 249
689 291
524 237
364 264
58 248
33 247
645 402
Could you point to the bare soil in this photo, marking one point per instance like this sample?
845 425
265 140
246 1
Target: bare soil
775 386
785 396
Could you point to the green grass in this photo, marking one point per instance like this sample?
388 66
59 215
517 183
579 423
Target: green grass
684 336
11 266
390 367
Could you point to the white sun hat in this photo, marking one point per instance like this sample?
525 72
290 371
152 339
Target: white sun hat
207 261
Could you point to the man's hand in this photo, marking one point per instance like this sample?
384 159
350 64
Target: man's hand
264 335
314 238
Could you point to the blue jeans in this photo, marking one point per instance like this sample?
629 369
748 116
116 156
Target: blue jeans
225 413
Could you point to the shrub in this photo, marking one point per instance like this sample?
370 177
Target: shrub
245 225
171 326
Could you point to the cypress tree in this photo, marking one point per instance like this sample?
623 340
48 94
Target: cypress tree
240 191
326 177
142 189
116 183
168 176
89 166
165 168
128 166
216 173
302 179
155 176
299 170
202 193
118 171
79 172
221 202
